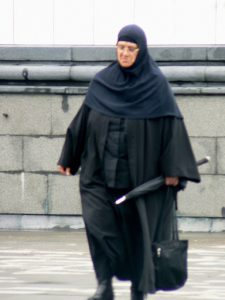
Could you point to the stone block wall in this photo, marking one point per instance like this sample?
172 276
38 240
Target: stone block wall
32 135
34 117
32 129
205 121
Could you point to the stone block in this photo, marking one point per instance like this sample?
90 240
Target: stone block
203 115
11 153
194 224
218 225
205 147
10 222
184 73
214 74
34 72
216 53
178 53
40 222
221 156
10 192
93 54
35 194
205 199
63 112
198 89
35 53
25 114
41 153
201 224
64 197
84 73
44 89
23 193
46 72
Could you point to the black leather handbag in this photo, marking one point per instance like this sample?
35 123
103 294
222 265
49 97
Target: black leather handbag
170 260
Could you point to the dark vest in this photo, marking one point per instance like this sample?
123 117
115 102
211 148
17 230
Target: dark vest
115 157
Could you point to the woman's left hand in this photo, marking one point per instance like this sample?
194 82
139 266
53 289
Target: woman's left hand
172 181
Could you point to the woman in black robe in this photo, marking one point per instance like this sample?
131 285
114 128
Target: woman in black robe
128 130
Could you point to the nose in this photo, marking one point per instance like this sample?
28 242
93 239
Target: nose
125 51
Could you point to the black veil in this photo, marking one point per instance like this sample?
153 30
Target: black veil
140 91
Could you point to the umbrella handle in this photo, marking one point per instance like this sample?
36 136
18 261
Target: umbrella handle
160 180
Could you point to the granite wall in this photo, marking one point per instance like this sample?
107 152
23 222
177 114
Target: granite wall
37 106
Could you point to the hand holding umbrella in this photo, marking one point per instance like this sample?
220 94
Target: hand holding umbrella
152 185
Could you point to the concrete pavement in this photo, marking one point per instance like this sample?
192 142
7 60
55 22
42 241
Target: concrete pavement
47 265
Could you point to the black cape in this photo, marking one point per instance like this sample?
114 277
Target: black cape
138 92
156 147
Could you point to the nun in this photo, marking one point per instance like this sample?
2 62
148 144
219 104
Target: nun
128 130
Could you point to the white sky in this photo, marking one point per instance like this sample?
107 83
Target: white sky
97 22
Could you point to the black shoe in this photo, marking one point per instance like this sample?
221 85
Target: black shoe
104 291
136 295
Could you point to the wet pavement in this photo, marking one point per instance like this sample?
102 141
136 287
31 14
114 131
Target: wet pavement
47 265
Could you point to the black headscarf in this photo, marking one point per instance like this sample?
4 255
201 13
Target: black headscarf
137 92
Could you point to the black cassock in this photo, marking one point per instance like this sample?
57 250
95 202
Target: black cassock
120 236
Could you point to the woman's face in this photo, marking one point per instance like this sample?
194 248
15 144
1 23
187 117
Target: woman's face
126 53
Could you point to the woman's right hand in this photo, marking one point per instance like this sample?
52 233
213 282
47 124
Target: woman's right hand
64 171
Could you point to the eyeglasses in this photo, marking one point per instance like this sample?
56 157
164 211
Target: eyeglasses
129 49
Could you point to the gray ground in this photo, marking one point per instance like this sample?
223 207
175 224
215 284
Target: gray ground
47 265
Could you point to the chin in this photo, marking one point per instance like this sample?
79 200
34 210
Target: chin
125 65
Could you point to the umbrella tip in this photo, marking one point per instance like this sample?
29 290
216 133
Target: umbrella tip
120 200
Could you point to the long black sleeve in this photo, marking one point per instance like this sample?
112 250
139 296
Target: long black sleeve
177 157
75 141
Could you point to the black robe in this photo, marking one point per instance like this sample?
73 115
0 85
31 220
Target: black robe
122 235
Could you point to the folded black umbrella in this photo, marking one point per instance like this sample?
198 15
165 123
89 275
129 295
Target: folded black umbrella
153 185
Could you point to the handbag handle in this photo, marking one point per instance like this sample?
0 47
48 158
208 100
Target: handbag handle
175 233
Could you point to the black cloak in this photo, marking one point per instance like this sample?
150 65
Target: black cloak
157 144
155 147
